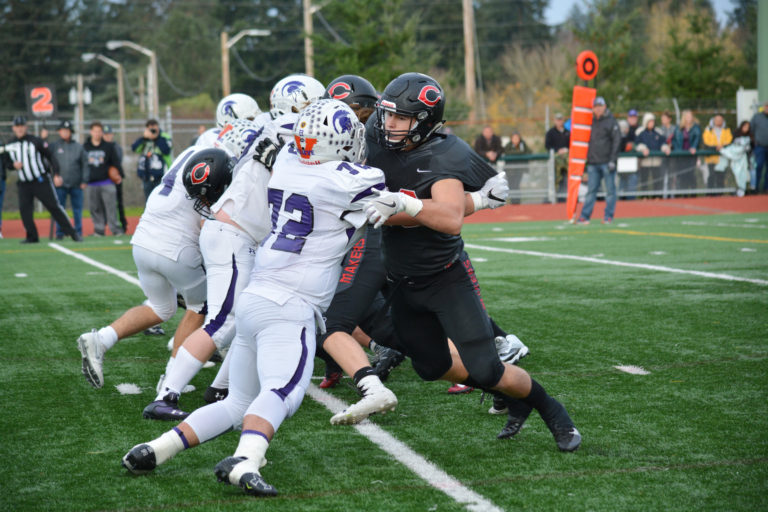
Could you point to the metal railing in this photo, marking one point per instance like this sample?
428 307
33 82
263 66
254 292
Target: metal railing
535 178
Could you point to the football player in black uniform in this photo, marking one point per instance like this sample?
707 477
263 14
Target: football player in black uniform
435 294
359 301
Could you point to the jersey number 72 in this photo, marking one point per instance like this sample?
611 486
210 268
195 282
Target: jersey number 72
292 235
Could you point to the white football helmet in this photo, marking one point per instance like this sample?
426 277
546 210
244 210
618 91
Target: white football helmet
329 130
293 93
237 137
236 106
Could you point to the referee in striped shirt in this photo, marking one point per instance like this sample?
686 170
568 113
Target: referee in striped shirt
30 156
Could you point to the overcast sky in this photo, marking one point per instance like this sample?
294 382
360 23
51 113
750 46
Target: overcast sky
558 10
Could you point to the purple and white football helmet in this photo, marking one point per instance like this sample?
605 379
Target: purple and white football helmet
293 93
236 106
328 130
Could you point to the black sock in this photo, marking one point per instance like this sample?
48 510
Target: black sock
497 331
363 372
538 398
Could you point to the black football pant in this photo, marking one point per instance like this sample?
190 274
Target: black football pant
426 310
42 189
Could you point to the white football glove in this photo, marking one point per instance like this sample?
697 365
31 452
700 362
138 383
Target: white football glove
386 204
493 194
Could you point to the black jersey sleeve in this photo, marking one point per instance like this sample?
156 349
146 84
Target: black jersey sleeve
452 157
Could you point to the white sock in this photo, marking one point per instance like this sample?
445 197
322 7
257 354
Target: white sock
253 445
184 368
107 337
167 445
169 365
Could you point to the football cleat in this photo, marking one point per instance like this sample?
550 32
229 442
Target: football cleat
510 349
156 330
166 409
330 381
517 412
213 394
140 460
499 406
93 357
560 424
458 389
388 359
250 480
376 398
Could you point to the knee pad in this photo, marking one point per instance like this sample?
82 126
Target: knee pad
432 370
164 311
485 376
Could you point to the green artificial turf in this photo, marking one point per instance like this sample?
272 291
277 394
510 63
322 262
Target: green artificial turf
690 435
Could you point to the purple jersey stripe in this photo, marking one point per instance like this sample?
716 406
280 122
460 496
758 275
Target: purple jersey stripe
368 192
285 391
215 324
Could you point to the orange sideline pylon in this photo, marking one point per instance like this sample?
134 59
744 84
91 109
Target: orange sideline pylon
581 129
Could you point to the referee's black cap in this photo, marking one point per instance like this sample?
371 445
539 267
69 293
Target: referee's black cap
19 121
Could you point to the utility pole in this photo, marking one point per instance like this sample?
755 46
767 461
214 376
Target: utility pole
142 108
309 59
469 56
79 122
225 85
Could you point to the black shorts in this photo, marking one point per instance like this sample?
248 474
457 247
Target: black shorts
428 310
358 300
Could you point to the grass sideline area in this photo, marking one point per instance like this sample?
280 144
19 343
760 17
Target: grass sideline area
683 298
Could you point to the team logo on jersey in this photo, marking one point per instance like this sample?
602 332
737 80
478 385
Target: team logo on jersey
428 99
304 146
341 122
408 192
341 90
200 173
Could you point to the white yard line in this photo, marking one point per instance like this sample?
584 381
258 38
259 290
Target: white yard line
658 268
424 469
105 268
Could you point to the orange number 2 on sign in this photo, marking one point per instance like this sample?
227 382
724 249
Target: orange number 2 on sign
42 100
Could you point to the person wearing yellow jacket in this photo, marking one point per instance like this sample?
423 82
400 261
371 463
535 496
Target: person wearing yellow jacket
716 137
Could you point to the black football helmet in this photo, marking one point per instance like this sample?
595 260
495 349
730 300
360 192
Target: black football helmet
355 91
206 176
414 95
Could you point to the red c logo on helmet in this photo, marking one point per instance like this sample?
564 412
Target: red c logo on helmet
424 98
199 173
340 90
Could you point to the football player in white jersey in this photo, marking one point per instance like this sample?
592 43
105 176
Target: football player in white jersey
317 193
288 98
167 256
230 108
238 219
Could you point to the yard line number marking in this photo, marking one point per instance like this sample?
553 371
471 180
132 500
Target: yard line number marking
424 469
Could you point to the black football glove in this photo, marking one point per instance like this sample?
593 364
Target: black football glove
265 152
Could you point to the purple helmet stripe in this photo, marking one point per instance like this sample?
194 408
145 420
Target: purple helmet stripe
286 390
226 308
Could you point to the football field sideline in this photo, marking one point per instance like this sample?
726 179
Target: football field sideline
419 465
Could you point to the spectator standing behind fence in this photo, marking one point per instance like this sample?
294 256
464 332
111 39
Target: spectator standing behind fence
628 140
102 194
759 131
154 148
667 128
73 174
35 164
650 138
516 146
716 136
687 137
603 152
558 140
488 145
109 136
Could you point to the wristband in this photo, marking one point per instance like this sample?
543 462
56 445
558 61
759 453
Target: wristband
477 200
412 205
